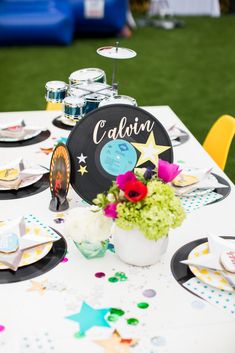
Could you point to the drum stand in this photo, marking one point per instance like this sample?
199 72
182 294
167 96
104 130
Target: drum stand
115 84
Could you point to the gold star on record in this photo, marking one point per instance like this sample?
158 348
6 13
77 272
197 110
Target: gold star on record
116 344
82 170
39 287
149 151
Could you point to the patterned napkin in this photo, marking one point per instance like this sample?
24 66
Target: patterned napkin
218 297
194 202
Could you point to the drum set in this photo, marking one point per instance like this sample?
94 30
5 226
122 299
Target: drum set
88 89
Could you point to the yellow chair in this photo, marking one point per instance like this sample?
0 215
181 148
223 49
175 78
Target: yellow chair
54 106
219 139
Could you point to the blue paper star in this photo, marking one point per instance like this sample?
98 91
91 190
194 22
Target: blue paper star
89 317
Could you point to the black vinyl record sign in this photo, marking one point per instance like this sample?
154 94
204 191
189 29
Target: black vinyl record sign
41 185
48 262
113 140
56 122
39 138
181 272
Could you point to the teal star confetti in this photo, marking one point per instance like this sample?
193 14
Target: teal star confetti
89 317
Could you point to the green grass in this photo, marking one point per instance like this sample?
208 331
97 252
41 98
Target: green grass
190 69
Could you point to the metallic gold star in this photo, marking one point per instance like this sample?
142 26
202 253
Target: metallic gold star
39 287
82 170
149 151
116 344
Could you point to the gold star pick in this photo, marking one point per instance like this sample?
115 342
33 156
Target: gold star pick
39 287
82 170
149 151
116 344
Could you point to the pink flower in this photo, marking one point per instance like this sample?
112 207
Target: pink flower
111 210
122 179
167 171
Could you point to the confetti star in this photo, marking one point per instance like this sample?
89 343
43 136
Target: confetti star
149 151
39 287
82 170
46 150
116 344
81 158
89 317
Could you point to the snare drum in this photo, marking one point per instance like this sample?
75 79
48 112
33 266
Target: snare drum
55 91
74 108
87 75
99 92
119 99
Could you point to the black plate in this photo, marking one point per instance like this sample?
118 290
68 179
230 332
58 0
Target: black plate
181 139
222 191
81 140
30 190
56 122
52 259
39 138
181 272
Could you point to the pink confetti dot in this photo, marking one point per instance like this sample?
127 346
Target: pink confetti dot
65 259
99 274
2 328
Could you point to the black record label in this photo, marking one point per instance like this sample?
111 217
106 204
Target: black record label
113 140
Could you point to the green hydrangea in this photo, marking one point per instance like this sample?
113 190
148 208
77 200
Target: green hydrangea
155 215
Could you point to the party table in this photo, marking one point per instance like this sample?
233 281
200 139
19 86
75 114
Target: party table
34 313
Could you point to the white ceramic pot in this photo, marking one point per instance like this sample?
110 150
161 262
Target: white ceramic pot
133 248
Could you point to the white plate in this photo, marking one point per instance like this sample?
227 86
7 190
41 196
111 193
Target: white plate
211 277
27 137
27 182
200 192
33 254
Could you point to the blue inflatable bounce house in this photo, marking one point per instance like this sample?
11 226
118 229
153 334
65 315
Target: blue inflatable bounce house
56 21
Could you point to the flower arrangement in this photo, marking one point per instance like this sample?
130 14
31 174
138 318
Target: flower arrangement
87 224
144 200
89 230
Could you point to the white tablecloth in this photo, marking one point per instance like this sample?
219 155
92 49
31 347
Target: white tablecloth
179 321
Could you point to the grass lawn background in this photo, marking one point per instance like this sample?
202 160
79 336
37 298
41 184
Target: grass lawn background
190 69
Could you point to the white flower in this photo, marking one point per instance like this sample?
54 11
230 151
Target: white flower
84 224
111 198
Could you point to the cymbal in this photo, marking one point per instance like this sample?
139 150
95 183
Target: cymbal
116 52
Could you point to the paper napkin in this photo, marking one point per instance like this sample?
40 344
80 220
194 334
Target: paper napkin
194 202
218 297
13 174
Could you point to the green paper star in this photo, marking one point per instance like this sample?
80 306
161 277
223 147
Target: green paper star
89 317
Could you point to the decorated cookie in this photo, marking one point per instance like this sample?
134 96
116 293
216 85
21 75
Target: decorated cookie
9 174
228 260
9 242
185 180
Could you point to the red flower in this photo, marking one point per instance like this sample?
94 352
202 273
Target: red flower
135 191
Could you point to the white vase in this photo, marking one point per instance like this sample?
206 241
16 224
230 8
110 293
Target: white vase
135 249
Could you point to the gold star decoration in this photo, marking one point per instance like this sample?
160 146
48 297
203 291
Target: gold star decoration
116 344
149 151
82 170
39 287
